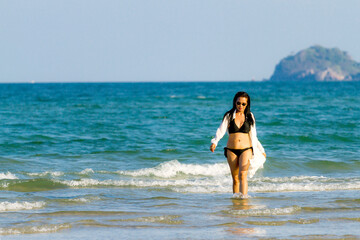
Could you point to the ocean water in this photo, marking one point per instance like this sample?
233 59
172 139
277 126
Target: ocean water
132 161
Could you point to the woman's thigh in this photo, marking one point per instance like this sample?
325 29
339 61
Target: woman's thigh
244 160
233 162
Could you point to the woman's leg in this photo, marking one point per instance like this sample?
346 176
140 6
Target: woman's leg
234 168
244 164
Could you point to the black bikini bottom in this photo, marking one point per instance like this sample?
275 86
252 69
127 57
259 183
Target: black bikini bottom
237 152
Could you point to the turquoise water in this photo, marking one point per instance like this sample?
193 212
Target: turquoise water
132 160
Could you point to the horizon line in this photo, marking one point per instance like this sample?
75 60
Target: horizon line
153 81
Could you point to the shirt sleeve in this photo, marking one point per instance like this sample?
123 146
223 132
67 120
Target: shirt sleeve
220 132
255 140
260 147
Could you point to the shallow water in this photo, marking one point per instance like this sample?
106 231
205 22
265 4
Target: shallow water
132 160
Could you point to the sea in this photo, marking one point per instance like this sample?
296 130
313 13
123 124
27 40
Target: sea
132 161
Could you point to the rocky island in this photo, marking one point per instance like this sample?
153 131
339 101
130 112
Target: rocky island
317 64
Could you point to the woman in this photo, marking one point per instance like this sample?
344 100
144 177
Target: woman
243 149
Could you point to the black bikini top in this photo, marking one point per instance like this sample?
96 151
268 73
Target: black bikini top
245 128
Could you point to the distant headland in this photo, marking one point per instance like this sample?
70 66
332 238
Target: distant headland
317 63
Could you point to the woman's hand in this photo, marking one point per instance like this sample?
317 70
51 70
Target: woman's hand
212 147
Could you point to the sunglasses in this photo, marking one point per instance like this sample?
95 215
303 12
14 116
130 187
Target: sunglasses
239 103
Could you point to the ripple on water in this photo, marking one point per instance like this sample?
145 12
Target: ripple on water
166 219
280 223
45 228
265 211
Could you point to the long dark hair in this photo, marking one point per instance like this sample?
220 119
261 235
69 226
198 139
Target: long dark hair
248 116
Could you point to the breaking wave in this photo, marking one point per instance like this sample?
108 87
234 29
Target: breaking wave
7 175
177 177
48 228
175 168
17 206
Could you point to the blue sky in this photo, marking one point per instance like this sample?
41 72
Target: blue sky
166 40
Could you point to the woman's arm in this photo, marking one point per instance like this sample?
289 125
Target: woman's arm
220 132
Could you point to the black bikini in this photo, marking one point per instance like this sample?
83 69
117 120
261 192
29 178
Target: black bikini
237 152
233 128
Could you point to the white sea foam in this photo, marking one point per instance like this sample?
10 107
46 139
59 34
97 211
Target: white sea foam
304 183
85 199
174 168
87 171
34 229
286 184
223 184
7 175
167 219
4 185
46 173
205 178
290 179
179 185
84 182
266 211
81 200
57 173
17 206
